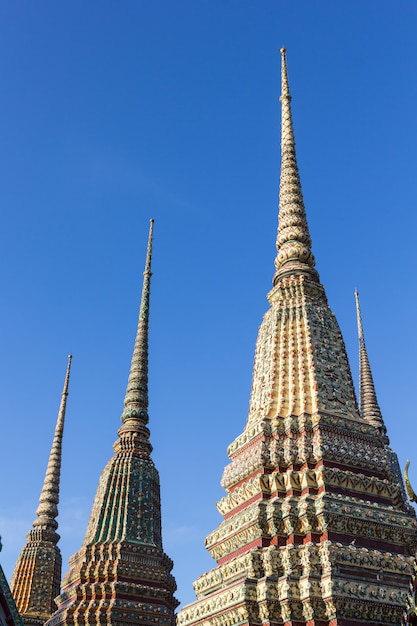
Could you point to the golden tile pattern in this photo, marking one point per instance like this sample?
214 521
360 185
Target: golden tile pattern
316 527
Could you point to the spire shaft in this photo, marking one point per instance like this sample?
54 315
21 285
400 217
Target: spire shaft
136 398
293 241
47 510
368 402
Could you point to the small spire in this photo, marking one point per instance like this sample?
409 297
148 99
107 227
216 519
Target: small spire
293 241
136 398
368 402
47 510
37 574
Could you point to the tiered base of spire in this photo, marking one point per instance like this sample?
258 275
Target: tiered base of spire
121 575
309 544
117 584
316 529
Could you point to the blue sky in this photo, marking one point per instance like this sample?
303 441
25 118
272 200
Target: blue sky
115 112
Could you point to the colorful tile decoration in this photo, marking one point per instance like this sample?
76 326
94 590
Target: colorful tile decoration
317 529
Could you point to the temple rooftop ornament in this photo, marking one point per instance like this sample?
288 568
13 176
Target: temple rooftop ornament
37 575
411 493
316 529
121 576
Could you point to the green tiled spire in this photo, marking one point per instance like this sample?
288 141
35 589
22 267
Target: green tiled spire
121 575
124 508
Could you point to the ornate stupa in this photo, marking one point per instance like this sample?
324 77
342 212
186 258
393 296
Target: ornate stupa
316 527
121 575
36 578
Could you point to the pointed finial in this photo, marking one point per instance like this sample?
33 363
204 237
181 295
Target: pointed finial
293 241
368 402
47 510
136 398
285 89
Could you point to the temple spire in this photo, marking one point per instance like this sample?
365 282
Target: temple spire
315 529
293 241
35 592
47 510
136 398
121 575
368 402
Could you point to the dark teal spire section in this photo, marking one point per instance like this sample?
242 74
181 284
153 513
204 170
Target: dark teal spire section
121 575
127 506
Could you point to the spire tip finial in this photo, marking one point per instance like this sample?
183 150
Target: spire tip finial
283 51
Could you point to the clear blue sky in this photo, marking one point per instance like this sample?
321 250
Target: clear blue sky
115 112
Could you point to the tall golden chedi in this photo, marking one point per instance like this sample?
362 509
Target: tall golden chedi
317 530
121 575
37 576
